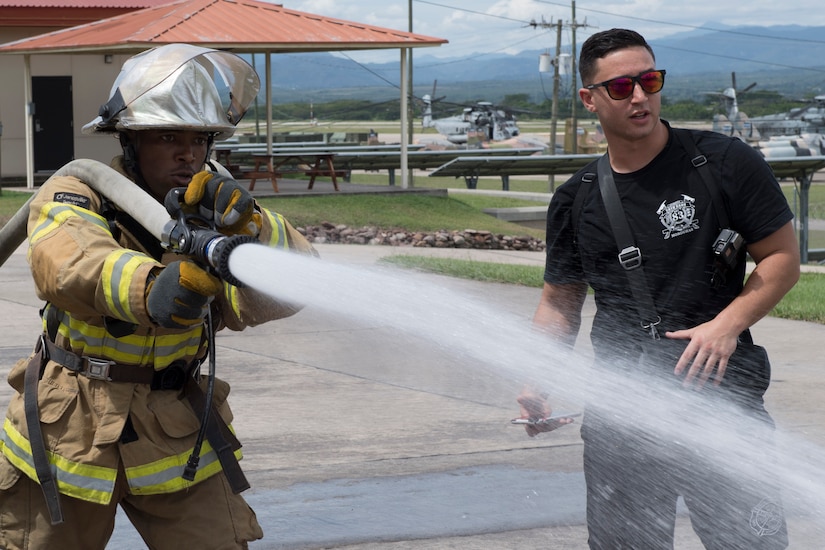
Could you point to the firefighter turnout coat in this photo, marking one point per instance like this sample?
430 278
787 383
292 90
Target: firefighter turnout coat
92 272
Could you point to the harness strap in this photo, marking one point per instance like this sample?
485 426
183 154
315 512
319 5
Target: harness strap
630 257
42 467
700 162
220 437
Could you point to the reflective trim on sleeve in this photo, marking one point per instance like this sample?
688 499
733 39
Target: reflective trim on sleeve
54 214
117 276
279 236
230 293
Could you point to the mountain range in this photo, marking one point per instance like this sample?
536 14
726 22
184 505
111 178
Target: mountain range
789 59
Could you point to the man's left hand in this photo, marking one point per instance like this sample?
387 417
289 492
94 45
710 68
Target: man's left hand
706 355
224 202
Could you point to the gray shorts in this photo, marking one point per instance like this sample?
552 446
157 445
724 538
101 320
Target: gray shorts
634 481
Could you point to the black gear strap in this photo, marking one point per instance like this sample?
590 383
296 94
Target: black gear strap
220 437
630 257
42 466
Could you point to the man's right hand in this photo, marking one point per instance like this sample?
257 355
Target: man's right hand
225 202
180 295
534 406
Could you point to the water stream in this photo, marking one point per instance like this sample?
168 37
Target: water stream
505 343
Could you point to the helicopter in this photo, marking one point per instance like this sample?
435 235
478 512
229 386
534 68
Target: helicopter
733 122
798 132
481 122
809 119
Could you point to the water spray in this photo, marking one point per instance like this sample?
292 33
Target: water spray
715 431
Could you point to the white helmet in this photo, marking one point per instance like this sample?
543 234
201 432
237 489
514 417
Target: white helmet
175 87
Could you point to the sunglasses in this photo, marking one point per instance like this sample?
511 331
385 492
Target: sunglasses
622 87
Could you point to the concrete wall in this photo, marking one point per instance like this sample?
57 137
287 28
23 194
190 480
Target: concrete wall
91 81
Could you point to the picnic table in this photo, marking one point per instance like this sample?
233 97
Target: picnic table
313 159
422 160
279 163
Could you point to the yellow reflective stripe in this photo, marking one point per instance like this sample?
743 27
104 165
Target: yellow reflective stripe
159 351
84 481
278 239
119 269
230 292
53 214
164 475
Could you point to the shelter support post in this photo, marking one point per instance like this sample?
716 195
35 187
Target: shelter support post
804 199
27 97
268 72
405 175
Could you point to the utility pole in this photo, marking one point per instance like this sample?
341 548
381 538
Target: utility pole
574 86
554 113
574 80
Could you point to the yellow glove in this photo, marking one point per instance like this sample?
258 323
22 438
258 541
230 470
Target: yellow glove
224 202
179 296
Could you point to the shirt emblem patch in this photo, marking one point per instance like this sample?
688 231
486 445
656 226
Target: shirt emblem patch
677 217
72 198
766 518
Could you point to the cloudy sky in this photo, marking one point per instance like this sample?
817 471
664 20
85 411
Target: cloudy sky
502 26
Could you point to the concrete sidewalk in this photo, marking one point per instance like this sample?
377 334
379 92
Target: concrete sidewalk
360 435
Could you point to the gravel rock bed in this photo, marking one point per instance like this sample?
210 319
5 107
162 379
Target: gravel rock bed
469 238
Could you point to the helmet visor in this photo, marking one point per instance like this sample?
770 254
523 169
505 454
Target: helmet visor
238 83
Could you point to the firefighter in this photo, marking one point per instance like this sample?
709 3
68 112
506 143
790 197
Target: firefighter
109 408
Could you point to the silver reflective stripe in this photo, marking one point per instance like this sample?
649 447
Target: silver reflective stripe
172 474
70 483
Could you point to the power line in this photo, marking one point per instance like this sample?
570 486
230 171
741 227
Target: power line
471 57
668 23
468 11
634 18
686 26
812 69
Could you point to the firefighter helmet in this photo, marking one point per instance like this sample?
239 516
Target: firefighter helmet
176 87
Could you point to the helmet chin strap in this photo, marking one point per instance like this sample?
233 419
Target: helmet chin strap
209 143
130 160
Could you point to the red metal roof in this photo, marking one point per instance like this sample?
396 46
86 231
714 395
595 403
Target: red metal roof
131 4
65 13
243 25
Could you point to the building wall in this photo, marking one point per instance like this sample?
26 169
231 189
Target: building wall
91 82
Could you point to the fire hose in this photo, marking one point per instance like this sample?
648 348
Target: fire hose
204 244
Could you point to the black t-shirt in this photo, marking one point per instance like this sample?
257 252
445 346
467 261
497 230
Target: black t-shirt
673 219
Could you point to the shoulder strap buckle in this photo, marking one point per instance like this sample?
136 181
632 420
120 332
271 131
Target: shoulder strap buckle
701 160
630 258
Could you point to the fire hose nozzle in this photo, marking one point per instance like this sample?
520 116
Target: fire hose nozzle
210 247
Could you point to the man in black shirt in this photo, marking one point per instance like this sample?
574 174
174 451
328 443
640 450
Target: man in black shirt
635 475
